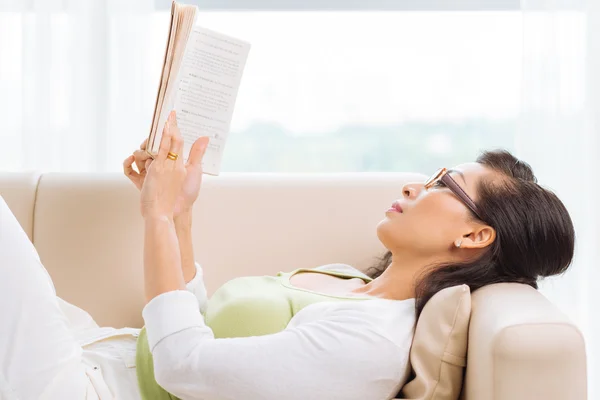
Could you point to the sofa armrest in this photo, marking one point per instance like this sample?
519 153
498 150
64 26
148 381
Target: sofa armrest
18 189
522 347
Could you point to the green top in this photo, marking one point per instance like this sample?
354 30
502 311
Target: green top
243 307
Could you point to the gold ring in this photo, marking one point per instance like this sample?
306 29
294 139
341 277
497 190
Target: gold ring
172 156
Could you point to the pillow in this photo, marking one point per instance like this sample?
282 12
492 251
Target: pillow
438 354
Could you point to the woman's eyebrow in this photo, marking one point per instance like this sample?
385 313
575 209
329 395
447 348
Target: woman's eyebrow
459 173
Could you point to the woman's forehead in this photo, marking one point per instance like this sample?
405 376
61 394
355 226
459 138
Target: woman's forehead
471 168
472 173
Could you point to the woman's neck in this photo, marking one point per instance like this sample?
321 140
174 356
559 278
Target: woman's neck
398 279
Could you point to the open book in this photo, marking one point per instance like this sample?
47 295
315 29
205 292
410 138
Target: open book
200 78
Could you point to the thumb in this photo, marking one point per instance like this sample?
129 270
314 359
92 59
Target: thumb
198 150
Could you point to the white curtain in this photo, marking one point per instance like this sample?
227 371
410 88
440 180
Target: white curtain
74 81
558 136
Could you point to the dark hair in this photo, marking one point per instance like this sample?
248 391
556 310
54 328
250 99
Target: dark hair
534 234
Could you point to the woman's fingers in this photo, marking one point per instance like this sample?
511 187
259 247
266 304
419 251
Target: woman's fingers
165 141
140 159
144 144
198 150
131 173
163 182
176 139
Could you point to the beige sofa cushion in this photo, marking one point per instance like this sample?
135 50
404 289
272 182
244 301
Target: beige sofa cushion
521 347
439 349
89 232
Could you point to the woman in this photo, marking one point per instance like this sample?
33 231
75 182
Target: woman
326 333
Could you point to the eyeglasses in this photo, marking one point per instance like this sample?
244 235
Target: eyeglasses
442 176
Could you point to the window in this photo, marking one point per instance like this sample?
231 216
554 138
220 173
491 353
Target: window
323 91
337 91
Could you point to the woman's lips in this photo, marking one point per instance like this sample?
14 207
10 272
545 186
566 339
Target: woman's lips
395 208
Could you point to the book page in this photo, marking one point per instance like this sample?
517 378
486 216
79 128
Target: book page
210 76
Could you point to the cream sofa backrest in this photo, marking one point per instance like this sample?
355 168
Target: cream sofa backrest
88 231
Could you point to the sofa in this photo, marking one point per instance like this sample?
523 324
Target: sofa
88 232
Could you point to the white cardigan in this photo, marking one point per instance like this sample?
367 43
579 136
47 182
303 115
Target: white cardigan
329 350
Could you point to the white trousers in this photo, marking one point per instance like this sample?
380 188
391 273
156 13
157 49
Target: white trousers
39 356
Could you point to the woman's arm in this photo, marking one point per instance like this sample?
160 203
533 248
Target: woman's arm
161 190
192 272
183 229
186 197
341 354
162 261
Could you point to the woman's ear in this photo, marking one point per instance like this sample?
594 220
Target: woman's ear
481 237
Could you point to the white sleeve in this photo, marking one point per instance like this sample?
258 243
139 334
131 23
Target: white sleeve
338 356
196 286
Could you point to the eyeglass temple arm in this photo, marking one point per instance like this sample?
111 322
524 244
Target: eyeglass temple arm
451 183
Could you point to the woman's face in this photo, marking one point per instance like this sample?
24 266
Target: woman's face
433 219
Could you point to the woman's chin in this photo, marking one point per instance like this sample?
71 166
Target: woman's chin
391 220
386 230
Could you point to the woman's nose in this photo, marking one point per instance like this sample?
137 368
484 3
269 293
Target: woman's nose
410 191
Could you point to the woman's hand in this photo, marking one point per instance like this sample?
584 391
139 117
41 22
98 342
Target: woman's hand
193 177
164 178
